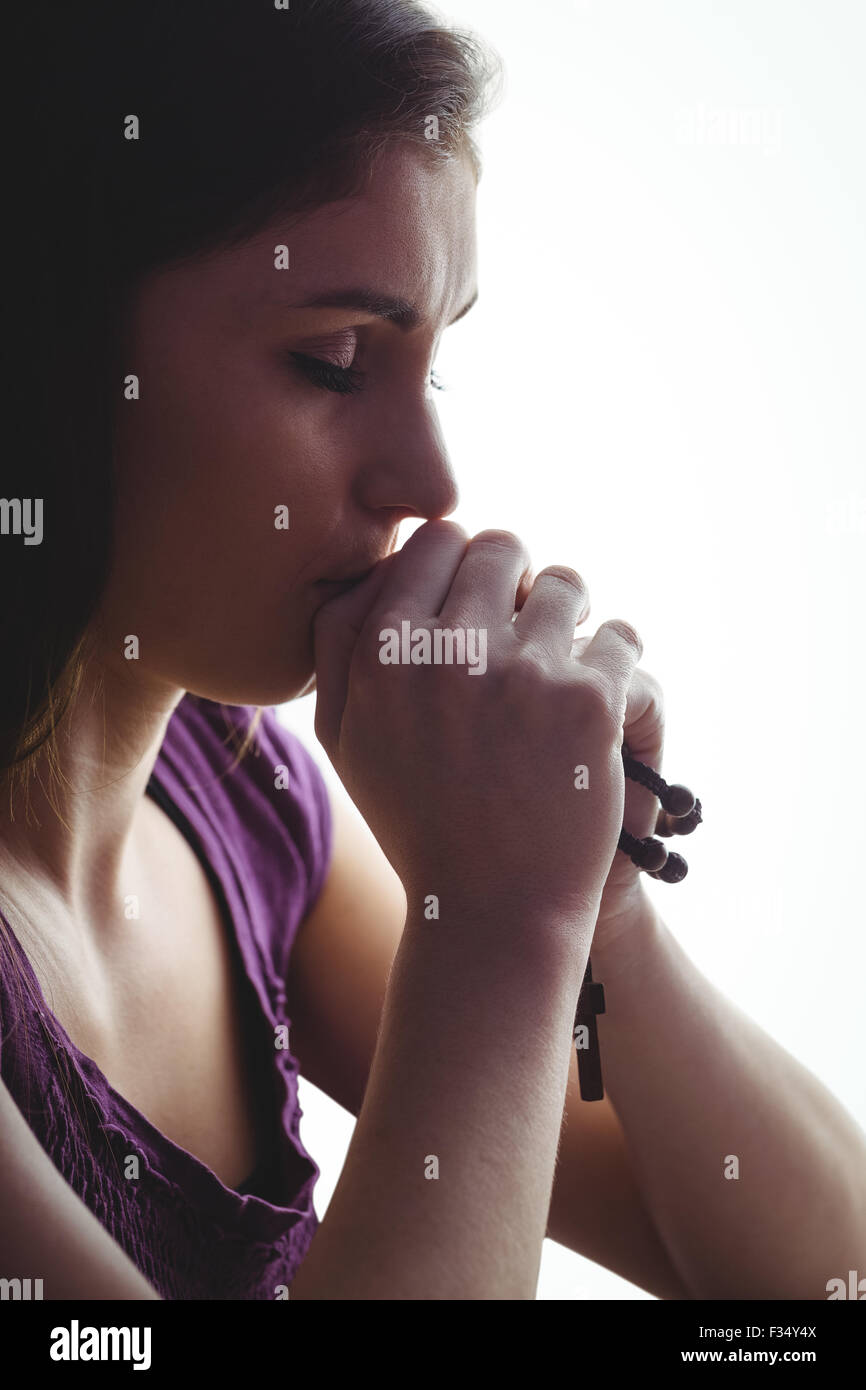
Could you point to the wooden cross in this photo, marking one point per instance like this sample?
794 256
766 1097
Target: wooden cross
589 1003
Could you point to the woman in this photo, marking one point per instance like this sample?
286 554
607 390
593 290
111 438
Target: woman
249 229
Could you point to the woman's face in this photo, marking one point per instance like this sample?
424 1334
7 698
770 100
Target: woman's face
232 431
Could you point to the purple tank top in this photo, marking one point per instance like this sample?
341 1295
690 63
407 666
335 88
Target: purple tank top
263 834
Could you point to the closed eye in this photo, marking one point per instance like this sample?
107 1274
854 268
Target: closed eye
329 377
342 380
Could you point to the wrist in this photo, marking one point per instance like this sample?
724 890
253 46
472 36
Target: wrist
531 933
624 931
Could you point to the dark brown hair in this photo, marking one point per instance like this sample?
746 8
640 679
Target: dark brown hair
246 111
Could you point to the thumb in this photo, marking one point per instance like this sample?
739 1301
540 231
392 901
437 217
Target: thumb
643 733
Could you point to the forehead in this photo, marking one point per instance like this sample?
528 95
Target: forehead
410 235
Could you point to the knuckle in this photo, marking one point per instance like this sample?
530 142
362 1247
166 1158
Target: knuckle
565 574
389 618
523 672
601 703
525 661
440 526
501 540
626 632
380 627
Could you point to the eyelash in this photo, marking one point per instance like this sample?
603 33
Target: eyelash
343 380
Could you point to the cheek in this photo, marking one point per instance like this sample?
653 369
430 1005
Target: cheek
228 496
216 586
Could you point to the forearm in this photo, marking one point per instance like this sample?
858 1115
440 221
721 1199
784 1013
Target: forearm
694 1083
446 1187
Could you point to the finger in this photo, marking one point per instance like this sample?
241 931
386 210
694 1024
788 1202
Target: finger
615 650
486 586
524 589
413 581
643 726
423 571
559 600
643 730
337 625
643 733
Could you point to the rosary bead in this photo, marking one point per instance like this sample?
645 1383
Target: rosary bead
674 871
677 800
654 855
684 825
680 814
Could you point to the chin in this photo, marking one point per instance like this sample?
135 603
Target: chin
244 667
273 687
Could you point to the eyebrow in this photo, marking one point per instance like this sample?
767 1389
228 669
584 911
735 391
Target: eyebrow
398 311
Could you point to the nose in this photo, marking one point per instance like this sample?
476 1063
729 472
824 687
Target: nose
407 465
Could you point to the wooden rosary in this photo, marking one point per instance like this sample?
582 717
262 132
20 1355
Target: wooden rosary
680 814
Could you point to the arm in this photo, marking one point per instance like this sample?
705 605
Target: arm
46 1231
597 1208
446 1186
694 1080
338 975
468 787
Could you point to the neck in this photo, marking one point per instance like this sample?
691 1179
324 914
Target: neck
69 835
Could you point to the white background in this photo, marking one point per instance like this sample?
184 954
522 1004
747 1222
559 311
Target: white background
662 386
